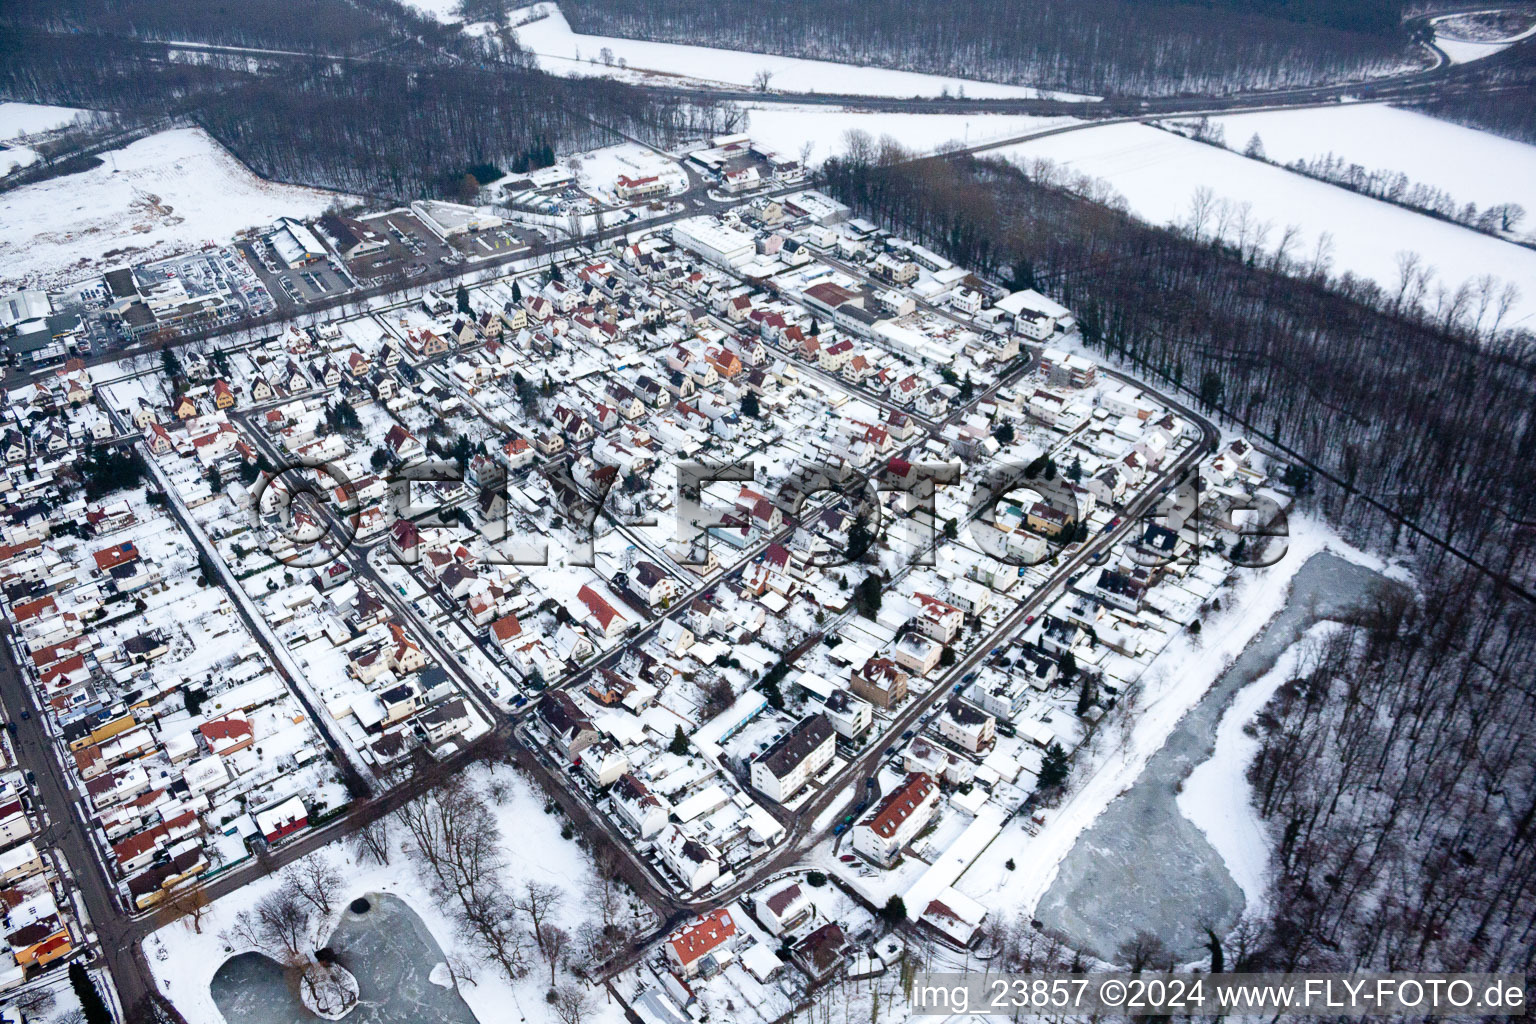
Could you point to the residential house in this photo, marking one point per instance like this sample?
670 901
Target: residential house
702 947
791 761
896 820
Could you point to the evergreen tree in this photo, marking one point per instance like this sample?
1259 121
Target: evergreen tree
750 406
462 299
1087 692
170 364
1054 767
91 1003
679 744
895 910
859 538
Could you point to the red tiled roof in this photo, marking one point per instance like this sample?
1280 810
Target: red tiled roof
896 808
601 610
704 935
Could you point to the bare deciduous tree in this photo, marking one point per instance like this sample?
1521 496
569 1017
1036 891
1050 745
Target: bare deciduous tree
553 943
573 1004
372 840
316 881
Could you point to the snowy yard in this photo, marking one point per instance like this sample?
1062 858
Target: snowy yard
598 170
1472 166
562 51
1158 174
172 192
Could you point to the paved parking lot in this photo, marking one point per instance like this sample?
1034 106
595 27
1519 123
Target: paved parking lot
410 252
294 287
495 241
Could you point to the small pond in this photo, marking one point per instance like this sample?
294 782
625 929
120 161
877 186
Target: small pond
385 946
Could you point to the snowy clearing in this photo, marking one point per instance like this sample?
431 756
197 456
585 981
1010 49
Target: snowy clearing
1158 173
544 31
1216 797
172 192
26 118
786 127
445 11
1471 165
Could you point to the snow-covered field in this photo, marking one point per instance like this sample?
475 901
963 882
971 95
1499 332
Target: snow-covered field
18 119
1471 165
26 118
786 127
446 11
562 51
172 192
1158 173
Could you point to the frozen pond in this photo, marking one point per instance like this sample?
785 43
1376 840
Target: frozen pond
1143 865
388 950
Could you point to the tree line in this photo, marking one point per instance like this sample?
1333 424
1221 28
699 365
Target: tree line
1101 47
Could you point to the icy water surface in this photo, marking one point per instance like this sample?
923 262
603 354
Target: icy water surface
1144 866
388 950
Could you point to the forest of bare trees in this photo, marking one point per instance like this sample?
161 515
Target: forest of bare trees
1397 774
378 129
310 26
1100 47
1507 108
1398 779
